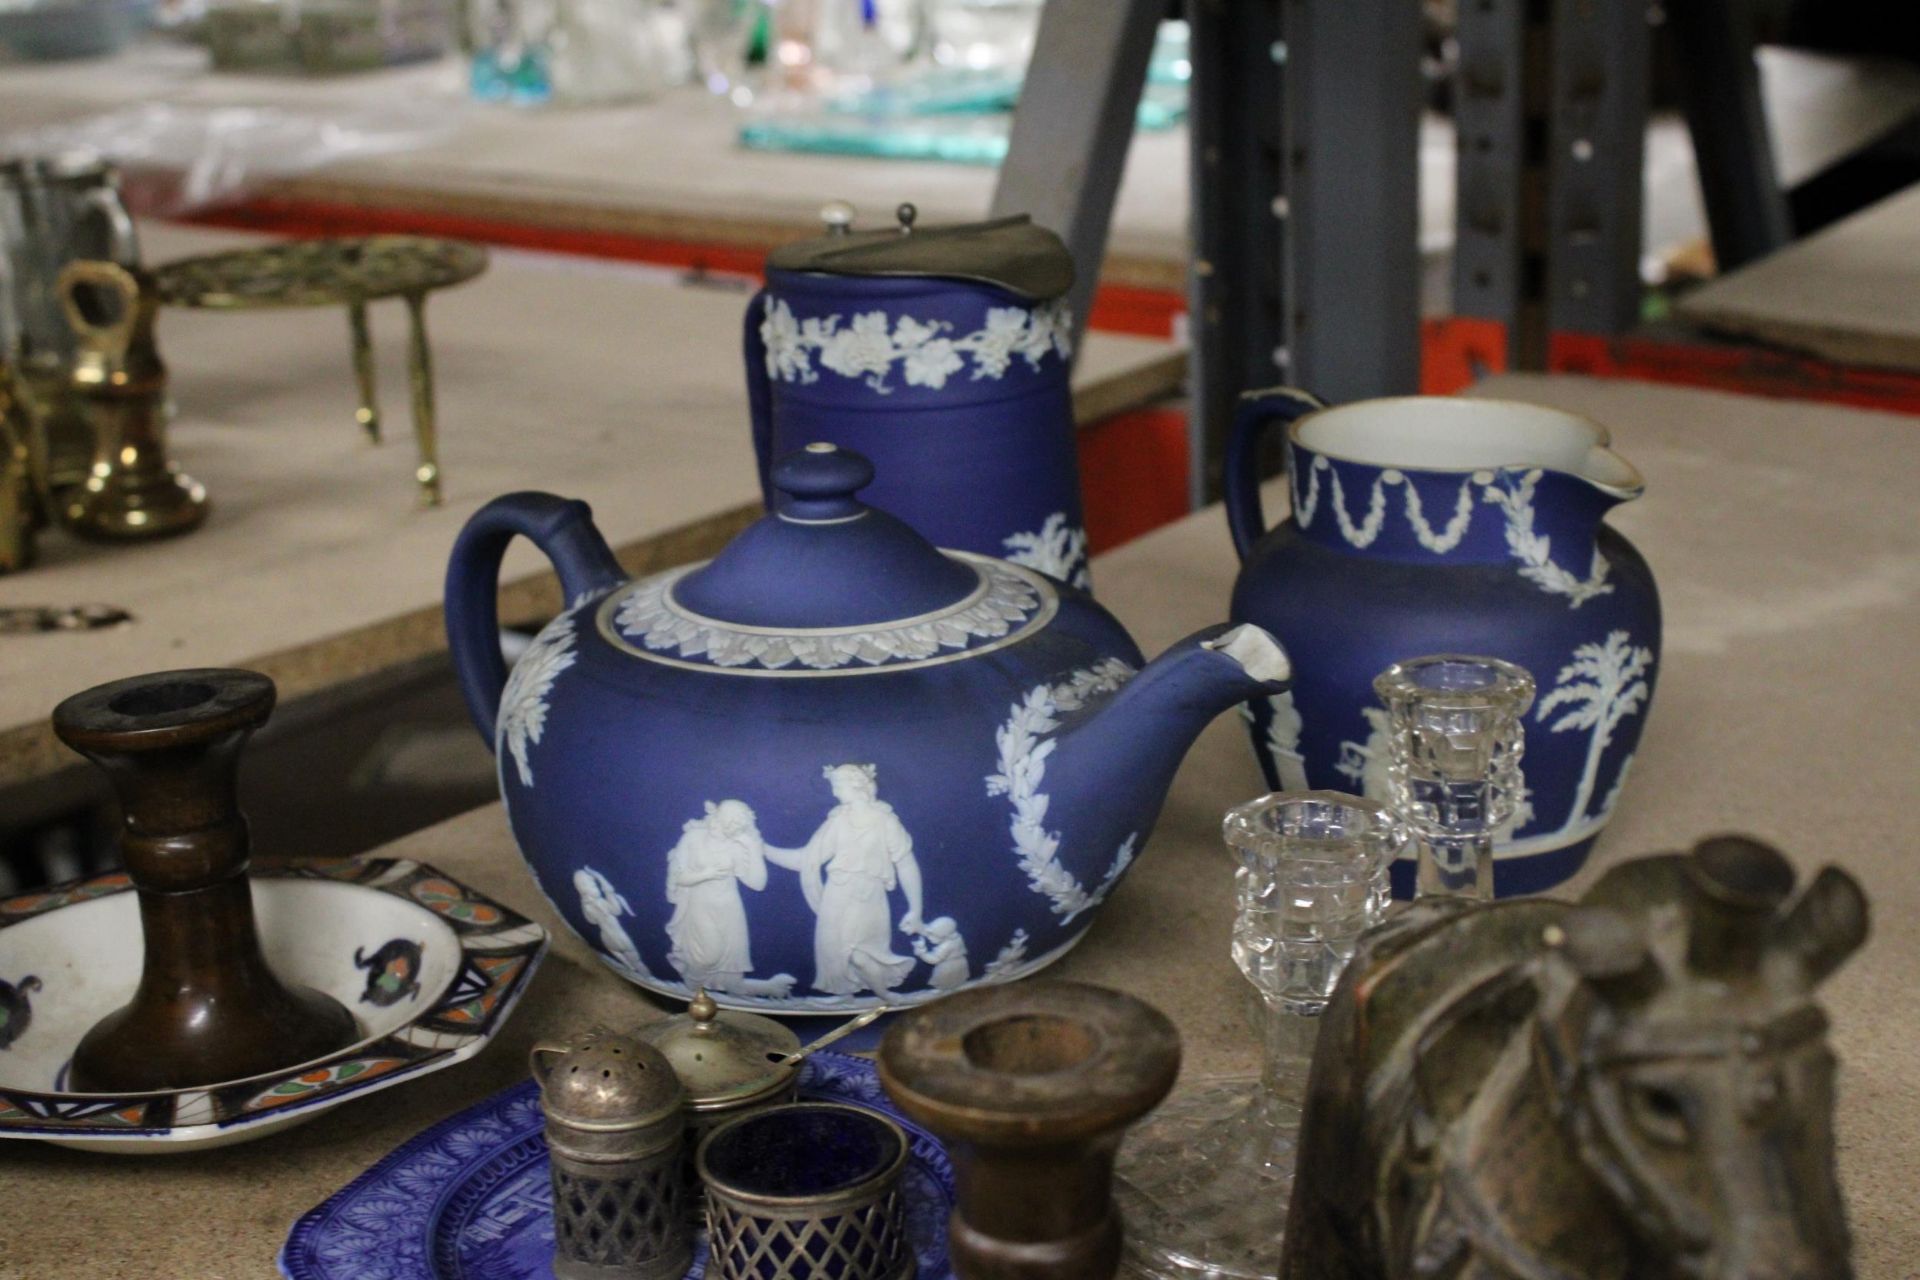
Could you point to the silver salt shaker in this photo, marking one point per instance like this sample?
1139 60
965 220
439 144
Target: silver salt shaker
616 1135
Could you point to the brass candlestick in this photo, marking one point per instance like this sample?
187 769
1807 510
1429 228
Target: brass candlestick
208 1008
132 490
17 503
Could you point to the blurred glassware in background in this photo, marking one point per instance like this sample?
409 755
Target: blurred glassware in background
576 52
53 30
948 95
729 40
983 35
321 37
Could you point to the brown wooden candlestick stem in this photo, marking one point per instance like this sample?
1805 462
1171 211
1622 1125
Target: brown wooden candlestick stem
208 1008
1032 1087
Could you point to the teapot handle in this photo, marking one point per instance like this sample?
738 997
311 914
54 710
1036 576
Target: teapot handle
1257 411
759 394
562 528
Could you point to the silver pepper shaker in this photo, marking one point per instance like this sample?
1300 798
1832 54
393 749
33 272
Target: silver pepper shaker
616 1135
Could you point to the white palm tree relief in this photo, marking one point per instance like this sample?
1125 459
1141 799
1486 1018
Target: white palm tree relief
1603 685
1058 549
523 706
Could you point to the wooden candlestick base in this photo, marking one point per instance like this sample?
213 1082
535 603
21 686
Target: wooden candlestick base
1032 1086
208 1008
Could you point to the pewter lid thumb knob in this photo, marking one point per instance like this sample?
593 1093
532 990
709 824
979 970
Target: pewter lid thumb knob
838 215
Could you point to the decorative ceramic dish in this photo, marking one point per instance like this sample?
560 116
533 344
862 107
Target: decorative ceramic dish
469 1199
429 967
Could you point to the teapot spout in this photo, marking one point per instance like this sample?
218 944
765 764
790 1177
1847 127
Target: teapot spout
1134 743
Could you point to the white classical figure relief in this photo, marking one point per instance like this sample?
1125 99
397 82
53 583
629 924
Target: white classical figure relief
942 947
1058 549
523 704
929 353
859 855
710 945
603 906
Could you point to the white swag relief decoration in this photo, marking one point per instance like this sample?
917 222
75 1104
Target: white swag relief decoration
648 616
1513 496
1058 549
523 705
928 352
1024 747
1008 964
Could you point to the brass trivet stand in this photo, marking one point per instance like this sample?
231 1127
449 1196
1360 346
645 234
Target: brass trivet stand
350 273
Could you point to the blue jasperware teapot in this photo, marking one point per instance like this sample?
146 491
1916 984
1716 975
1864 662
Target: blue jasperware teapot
833 767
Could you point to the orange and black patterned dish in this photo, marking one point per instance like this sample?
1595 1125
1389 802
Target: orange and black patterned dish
315 273
430 968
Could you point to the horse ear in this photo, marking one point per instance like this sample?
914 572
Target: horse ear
1827 925
1609 950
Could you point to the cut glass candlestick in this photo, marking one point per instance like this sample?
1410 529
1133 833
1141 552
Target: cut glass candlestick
1455 740
1204 1182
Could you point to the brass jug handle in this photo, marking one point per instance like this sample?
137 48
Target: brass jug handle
110 337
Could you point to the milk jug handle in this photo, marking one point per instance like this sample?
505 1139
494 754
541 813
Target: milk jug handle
1257 411
759 393
563 529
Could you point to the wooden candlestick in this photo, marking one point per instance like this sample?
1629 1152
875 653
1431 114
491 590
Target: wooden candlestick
208 1008
1032 1087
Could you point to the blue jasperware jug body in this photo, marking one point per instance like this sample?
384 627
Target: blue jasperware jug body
956 385
1430 525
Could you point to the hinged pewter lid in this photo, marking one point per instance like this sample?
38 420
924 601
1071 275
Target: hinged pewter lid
724 1057
1010 253
825 585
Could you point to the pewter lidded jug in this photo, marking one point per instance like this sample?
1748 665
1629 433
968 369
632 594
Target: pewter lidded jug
1424 525
833 768
943 354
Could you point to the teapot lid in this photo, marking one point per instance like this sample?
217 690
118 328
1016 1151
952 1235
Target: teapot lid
824 585
1011 253
723 1056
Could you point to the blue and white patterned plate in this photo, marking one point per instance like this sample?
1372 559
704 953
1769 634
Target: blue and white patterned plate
469 1198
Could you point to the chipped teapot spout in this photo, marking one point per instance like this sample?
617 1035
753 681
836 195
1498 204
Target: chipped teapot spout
1135 741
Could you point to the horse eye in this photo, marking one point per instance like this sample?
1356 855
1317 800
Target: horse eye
1661 1113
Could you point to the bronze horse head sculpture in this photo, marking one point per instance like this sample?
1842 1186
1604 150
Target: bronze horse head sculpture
1634 1087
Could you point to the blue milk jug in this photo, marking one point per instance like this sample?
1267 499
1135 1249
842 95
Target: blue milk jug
1427 525
943 354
